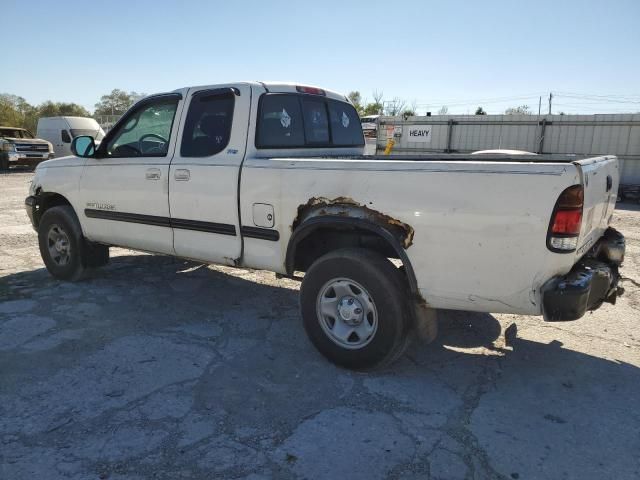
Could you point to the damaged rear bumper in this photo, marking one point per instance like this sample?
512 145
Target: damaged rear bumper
591 282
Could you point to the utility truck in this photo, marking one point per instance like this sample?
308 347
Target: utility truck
271 176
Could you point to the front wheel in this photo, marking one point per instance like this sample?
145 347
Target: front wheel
65 252
355 308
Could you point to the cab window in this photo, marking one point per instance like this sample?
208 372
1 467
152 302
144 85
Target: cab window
303 121
146 131
207 128
345 125
280 122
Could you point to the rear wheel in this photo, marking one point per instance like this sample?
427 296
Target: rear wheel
355 308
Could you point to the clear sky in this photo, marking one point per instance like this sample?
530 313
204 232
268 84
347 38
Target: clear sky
456 53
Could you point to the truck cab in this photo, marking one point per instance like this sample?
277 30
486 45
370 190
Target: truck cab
18 146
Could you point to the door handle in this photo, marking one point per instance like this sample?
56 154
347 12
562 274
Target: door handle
153 174
182 175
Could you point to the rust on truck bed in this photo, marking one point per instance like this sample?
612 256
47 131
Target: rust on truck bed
347 207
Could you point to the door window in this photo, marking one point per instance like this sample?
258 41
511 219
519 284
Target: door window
146 131
208 125
65 136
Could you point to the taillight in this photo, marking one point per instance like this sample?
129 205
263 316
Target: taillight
310 90
566 220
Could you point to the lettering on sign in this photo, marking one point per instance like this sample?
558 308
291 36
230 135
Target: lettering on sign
418 133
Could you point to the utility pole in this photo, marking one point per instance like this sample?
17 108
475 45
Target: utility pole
539 105
550 99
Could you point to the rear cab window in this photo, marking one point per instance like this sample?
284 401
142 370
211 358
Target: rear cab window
302 121
207 129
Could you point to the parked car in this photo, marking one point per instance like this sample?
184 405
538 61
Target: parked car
270 176
370 125
60 131
18 146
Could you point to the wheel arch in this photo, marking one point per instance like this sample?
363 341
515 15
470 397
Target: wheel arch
321 232
45 201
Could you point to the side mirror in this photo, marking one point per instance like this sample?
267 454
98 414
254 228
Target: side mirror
83 146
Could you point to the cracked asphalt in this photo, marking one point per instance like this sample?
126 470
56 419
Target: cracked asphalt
166 369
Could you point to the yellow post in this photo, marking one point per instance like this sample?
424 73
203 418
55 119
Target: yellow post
390 143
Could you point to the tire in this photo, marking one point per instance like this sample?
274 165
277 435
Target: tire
355 309
62 246
4 164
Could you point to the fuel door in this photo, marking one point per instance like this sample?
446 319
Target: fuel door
263 215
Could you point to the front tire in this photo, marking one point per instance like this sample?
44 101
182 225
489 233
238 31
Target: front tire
355 308
4 163
62 246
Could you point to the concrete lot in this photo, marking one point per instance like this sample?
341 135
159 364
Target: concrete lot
161 368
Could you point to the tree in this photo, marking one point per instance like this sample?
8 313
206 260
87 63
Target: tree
443 110
480 111
115 103
372 109
356 99
408 113
15 111
395 107
414 106
58 109
521 110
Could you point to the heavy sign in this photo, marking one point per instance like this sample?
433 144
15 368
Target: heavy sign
418 133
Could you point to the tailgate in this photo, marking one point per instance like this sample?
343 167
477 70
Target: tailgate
600 178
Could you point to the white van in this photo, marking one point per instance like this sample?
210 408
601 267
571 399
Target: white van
60 131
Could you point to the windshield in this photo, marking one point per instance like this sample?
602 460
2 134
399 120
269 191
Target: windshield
96 134
368 120
15 133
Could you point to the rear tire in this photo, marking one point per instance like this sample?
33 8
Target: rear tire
65 252
355 309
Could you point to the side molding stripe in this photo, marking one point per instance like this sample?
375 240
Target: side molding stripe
260 233
183 224
209 227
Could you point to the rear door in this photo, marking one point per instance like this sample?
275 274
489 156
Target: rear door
600 179
204 173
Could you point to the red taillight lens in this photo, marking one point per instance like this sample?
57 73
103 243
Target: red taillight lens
310 90
566 221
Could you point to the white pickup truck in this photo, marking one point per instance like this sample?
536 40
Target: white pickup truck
271 176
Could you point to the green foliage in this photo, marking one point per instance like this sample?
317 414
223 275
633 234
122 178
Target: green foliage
480 111
373 108
17 112
61 109
356 99
115 103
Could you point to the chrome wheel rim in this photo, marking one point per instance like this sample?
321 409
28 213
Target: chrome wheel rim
347 313
58 245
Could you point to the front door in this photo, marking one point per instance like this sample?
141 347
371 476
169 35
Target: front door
203 179
124 190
